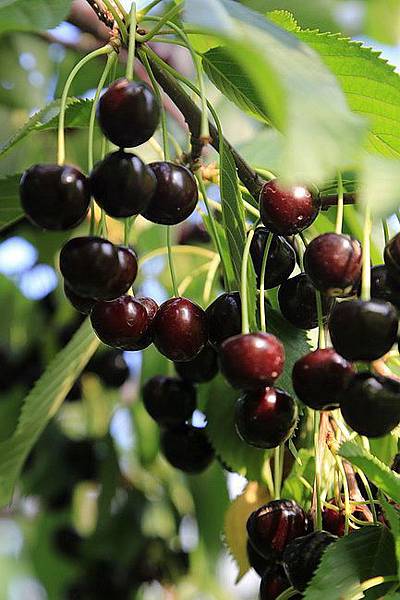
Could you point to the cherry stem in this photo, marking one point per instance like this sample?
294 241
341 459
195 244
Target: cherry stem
117 17
163 20
365 481
148 8
287 594
366 268
262 281
347 506
386 233
243 289
64 98
130 63
317 478
121 8
340 205
278 470
371 583
171 263
321 329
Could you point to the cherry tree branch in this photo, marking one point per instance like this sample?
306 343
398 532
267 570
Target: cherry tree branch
102 13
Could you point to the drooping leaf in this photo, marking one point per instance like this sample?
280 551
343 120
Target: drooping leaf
380 474
32 15
10 206
353 559
42 403
253 496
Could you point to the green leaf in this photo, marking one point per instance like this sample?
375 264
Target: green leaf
235 226
284 19
393 516
381 475
10 206
353 559
224 247
380 185
293 487
32 15
41 405
76 116
384 448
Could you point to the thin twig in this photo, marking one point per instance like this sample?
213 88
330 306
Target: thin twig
102 13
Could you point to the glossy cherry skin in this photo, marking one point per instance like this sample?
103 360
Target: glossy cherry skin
298 304
180 329
202 368
384 286
363 330
193 234
111 367
55 197
392 257
257 562
252 360
168 400
334 521
287 211
371 404
176 194
265 417
273 583
187 448
82 304
122 184
122 323
128 113
281 258
224 318
302 556
272 526
320 377
126 273
333 262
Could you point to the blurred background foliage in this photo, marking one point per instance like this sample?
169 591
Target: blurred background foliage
95 496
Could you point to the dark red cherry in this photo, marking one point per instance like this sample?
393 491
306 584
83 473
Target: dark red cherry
384 286
122 323
187 448
168 400
272 526
395 466
273 583
150 305
55 197
122 184
111 367
334 521
201 369
82 304
126 273
176 194
265 417
371 404
252 360
363 330
333 262
320 377
287 211
128 113
303 555
281 258
257 562
224 318
392 257
180 329
298 304
193 233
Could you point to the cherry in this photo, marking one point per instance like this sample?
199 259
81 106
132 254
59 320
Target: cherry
272 526
384 286
128 113
126 274
320 377
82 304
363 330
122 184
55 197
176 194
187 448
265 417
180 329
371 404
287 211
302 556
273 583
169 401
193 233
224 318
281 258
150 305
252 360
298 304
396 464
111 367
333 262
334 521
392 257
257 562
122 323
202 368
